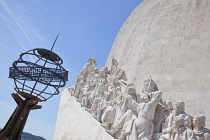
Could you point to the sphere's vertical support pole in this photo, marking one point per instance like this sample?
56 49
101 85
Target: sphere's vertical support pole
14 127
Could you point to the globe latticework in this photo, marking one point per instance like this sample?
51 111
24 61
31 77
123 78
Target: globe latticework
40 80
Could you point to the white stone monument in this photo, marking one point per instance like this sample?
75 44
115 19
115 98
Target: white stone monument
165 44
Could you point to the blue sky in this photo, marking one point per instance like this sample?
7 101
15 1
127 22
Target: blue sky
87 29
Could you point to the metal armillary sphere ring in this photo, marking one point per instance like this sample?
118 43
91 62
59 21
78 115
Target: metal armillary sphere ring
34 81
54 76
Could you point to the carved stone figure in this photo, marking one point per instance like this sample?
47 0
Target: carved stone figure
113 113
79 85
142 127
150 86
188 121
89 87
178 110
91 75
114 103
132 91
168 106
108 116
114 89
165 120
114 110
107 72
128 109
108 105
182 132
200 131
115 70
88 67
161 113
98 94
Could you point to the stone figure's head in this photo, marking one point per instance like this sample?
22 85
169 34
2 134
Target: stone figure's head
199 120
106 69
144 98
94 80
102 73
188 121
118 89
168 105
149 86
96 77
95 70
131 88
179 107
178 122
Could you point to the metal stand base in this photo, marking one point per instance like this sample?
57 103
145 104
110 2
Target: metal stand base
14 127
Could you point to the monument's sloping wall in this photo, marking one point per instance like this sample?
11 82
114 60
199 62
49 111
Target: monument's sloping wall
74 123
170 40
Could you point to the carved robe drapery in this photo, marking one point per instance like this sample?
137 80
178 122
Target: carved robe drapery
142 127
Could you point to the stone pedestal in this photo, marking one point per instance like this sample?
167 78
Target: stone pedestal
74 123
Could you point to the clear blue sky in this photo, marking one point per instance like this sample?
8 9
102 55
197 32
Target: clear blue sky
87 29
